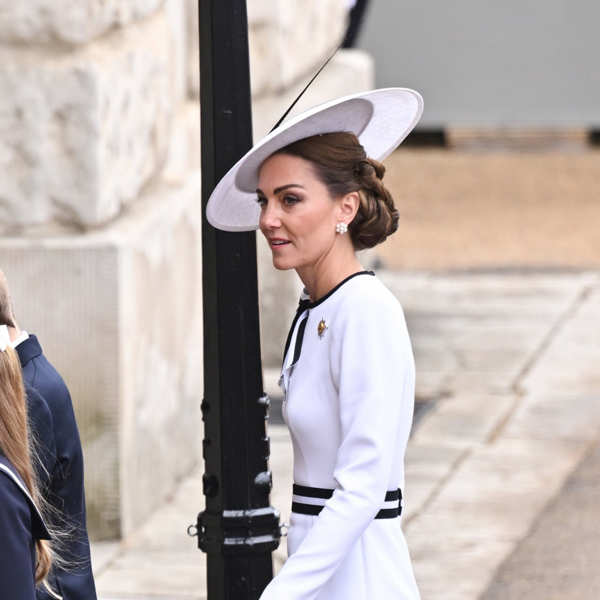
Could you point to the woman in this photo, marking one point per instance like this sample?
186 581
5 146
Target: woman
348 370
25 556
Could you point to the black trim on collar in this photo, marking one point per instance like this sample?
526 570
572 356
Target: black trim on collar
301 308
307 304
337 287
28 349
299 340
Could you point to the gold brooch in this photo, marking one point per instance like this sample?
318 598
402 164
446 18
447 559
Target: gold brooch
321 328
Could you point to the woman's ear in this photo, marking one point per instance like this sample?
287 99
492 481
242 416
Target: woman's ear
348 207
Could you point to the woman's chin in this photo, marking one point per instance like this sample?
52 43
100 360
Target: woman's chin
281 264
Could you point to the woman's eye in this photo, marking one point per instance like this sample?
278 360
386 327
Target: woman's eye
261 200
290 200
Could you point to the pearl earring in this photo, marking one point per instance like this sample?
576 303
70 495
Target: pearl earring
341 228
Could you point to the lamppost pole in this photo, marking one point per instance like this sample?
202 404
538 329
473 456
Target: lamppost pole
238 529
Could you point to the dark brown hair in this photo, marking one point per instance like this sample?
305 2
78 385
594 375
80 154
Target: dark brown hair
341 164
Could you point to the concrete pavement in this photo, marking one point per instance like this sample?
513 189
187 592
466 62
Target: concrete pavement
509 383
558 558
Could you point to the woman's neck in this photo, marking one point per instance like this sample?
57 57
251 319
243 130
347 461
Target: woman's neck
327 272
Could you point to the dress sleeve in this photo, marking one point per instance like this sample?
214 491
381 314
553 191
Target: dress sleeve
373 368
16 566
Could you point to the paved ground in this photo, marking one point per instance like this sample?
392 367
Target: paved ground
501 493
558 558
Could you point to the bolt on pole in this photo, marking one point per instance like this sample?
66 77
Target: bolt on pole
238 529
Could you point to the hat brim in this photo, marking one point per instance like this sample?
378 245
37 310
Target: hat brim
381 119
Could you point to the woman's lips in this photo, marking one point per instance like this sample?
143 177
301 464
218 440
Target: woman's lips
278 243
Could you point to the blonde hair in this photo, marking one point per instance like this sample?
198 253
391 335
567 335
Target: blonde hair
15 443
6 312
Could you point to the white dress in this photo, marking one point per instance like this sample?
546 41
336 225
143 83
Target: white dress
348 378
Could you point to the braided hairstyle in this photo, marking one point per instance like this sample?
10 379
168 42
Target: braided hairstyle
342 165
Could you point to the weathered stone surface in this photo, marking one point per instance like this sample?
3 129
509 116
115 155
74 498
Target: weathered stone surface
119 312
81 132
184 148
193 49
349 72
287 40
177 21
161 540
292 40
67 21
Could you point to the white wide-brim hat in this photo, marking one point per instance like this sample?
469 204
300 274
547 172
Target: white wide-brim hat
381 119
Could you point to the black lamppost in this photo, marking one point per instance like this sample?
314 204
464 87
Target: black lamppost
238 529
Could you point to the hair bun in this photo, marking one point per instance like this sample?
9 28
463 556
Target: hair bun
377 217
369 167
378 167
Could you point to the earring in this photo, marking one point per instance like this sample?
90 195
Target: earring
341 228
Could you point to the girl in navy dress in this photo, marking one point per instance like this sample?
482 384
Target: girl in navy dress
25 555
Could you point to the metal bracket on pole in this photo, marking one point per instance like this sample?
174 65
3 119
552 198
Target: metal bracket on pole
238 531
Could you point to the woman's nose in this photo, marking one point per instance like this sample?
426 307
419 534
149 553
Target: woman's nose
269 216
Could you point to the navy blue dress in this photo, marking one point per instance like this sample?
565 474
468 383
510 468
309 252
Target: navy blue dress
65 486
41 425
21 525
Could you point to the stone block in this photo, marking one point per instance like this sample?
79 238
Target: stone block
160 539
82 131
119 312
261 11
287 40
184 146
292 40
67 21
349 72
176 14
193 49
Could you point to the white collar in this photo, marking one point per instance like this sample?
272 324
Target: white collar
4 338
21 338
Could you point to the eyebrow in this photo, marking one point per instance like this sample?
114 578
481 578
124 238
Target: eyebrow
281 188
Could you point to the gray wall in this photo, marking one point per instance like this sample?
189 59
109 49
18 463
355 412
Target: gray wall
490 63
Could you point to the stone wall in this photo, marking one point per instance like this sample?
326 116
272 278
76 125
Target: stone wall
100 214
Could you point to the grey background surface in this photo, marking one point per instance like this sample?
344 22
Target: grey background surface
526 63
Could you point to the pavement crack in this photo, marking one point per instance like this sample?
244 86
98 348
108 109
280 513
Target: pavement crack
559 324
435 492
516 386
